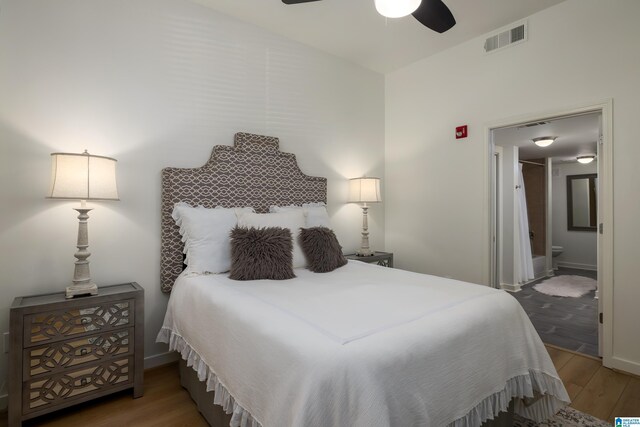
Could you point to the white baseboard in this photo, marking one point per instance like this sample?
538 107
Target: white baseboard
625 365
517 287
578 265
161 359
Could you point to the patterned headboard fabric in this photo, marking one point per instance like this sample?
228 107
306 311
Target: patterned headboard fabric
254 172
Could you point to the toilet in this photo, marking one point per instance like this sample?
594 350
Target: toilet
555 252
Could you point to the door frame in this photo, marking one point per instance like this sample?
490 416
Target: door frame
496 215
548 251
605 220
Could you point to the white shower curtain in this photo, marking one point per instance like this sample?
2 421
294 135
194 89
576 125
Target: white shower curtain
524 260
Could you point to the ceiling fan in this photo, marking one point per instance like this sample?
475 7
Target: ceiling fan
433 14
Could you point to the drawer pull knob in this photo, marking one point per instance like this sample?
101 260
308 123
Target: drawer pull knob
83 352
85 320
83 381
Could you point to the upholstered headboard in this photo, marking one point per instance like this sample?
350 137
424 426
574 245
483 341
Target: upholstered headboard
251 173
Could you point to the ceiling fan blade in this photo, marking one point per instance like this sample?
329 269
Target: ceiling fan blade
434 14
297 1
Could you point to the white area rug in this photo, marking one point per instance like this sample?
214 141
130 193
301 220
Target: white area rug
566 286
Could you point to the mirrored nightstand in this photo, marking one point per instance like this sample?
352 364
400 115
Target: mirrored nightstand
67 351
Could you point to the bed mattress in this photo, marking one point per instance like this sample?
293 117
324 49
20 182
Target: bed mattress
363 345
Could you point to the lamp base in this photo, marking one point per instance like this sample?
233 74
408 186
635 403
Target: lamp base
82 284
365 252
81 289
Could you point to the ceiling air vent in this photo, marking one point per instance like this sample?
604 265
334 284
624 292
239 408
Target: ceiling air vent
503 38
530 125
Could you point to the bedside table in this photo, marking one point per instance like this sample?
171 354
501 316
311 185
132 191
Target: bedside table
381 258
67 351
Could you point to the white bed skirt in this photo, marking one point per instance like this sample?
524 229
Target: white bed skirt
240 416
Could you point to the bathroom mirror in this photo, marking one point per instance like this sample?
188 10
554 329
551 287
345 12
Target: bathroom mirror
582 202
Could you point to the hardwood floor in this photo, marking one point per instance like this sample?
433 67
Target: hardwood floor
594 389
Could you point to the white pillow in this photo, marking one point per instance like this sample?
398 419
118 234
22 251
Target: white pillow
316 214
292 219
205 233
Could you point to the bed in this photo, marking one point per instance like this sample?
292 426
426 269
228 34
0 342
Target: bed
363 345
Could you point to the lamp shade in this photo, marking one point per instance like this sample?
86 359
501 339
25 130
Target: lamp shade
83 176
396 8
364 190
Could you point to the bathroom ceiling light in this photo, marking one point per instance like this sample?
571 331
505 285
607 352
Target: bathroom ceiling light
396 8
586 159
544 141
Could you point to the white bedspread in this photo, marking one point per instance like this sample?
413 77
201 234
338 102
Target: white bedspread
361 346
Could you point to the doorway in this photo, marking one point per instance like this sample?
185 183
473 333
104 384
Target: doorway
556 242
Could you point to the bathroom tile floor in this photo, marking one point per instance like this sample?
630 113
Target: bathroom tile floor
570 323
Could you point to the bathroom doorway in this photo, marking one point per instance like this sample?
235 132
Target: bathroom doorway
546 199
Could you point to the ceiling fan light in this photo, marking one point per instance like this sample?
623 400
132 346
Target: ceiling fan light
544 141
396 8
585 159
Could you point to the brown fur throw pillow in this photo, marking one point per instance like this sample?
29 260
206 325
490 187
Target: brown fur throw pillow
261 253
320 246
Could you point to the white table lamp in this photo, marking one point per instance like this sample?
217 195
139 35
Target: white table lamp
82 177
364 190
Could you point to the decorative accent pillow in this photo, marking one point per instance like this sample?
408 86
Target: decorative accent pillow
322 249
316 214
293 220
205 233
261 253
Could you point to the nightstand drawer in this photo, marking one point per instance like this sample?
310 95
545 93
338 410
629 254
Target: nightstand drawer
65 387
54 326
57 356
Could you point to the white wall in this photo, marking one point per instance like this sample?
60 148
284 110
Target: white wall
579 52
157 83
580 247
